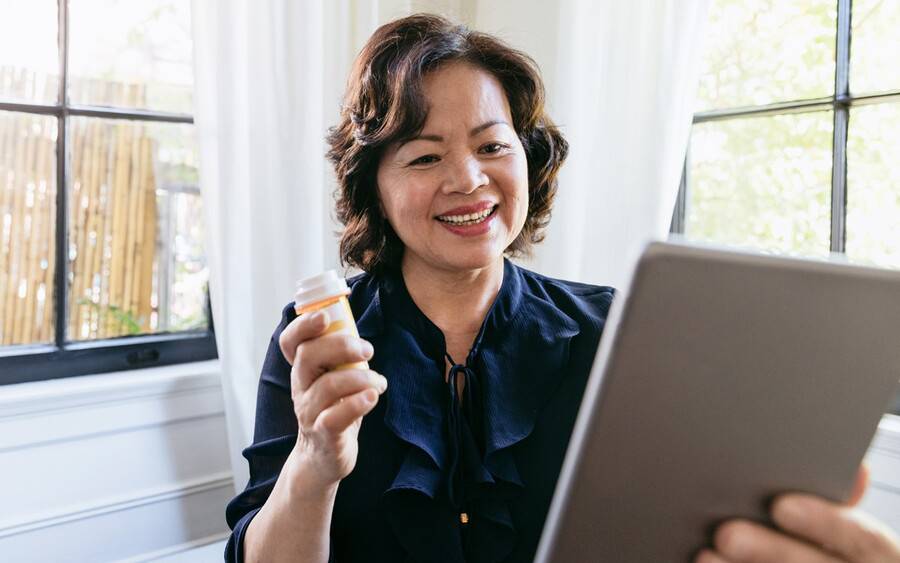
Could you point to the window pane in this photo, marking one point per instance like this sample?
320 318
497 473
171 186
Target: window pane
763 182
27 227
136 261
29 54
873 185
876 46
763 51
131 54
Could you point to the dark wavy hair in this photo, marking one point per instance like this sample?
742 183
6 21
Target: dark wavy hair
384 103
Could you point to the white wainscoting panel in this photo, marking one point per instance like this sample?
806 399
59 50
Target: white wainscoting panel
115 466
883 497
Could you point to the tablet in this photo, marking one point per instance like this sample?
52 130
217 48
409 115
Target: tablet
722 379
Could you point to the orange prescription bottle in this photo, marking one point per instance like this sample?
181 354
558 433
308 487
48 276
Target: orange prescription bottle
328 292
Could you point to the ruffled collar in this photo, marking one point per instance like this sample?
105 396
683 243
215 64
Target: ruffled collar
517 357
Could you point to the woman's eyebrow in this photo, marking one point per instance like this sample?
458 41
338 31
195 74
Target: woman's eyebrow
475 130
486 125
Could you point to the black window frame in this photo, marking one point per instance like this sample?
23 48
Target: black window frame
41 362
841 101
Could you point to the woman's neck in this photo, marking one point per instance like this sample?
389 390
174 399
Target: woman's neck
456 301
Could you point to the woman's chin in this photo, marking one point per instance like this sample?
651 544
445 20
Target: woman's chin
478 259
460 260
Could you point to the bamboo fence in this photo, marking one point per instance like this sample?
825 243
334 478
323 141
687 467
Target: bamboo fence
112 238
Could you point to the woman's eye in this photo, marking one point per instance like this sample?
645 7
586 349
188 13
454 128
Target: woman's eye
427 159
493 148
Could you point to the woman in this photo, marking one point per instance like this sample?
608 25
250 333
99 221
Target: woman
446 162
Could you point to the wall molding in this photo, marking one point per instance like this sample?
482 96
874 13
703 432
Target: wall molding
884 456
186 488
59 395
129 414
887 437
131 464
176 549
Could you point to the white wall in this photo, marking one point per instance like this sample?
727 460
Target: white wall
112 467
494 17
883 496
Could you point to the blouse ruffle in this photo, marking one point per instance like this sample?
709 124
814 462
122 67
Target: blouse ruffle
514 387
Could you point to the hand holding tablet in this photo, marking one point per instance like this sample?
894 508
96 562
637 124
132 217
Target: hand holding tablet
723 381
811 530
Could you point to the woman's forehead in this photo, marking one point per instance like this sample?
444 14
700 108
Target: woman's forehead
461 94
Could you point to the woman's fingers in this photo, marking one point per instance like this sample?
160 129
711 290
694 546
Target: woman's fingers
339 416
299 330
710 556
741 541
328 396
311 360
844 531
812 530
334 386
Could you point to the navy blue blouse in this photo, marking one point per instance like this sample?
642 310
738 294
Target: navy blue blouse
439 479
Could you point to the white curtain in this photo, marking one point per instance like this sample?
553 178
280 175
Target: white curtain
623 88
268 80
260 88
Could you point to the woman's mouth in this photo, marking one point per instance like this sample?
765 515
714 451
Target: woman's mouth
475 224
468 218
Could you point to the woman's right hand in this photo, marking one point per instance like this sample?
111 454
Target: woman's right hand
329 405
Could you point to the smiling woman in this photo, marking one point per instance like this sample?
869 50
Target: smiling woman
389 130
457 194
447 164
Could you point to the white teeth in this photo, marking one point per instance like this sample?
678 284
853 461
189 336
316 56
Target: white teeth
469 218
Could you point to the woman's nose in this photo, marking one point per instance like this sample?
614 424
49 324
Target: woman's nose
466 175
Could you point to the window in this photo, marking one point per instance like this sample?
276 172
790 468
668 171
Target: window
102 266
794 147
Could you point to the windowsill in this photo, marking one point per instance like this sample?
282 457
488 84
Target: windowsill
72 392
889 433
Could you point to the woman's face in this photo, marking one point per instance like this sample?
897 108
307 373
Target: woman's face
457 195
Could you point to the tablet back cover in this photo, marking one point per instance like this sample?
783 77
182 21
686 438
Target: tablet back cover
723 379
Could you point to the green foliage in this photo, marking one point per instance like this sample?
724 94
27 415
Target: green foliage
763 51
129 321
765 182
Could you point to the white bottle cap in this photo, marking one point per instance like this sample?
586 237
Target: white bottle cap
323 286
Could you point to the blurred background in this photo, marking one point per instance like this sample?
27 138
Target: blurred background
161 168
768 143
133 255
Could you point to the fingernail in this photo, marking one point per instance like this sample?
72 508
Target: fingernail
366 349
379 381
788 511
370 396
318 317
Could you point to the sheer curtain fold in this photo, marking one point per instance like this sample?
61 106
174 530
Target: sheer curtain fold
268 79
626 76
265 87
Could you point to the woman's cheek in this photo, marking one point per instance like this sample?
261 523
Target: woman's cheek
522 216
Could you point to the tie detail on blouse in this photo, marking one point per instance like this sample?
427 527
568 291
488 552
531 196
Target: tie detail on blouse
456 483
464 427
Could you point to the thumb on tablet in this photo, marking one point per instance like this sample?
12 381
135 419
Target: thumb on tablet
859 488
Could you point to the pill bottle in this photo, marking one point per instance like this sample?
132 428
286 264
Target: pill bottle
328 292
